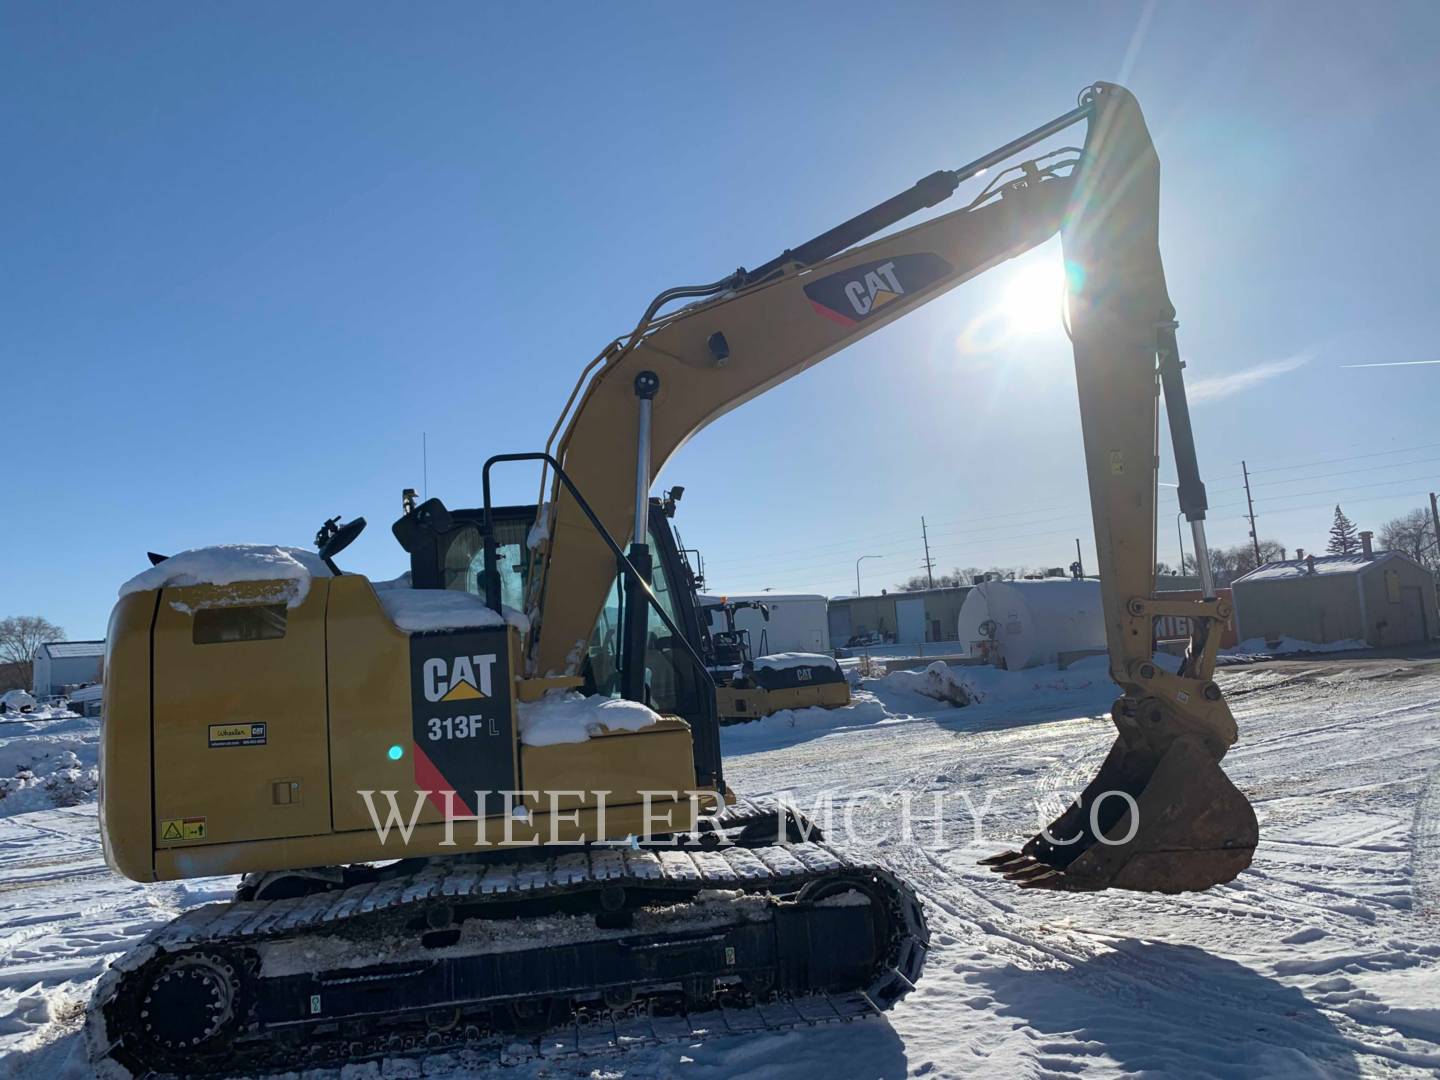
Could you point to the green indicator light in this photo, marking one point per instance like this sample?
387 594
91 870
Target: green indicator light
397 752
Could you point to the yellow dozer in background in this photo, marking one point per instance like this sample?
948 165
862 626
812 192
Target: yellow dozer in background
445 846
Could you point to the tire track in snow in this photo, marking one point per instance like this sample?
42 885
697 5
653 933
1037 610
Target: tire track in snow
1425 850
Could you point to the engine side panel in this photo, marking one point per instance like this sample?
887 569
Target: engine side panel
240 726
266 725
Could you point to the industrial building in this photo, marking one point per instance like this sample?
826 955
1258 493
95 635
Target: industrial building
1382 598
906 617
63 665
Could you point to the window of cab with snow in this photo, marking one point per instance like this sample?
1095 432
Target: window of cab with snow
212 626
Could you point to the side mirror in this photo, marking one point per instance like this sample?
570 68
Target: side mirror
432 515
333 539
425 522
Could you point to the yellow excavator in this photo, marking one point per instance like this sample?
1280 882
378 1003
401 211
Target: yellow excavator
750 687
436 856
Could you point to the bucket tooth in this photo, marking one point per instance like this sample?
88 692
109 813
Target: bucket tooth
1050 879
1001 859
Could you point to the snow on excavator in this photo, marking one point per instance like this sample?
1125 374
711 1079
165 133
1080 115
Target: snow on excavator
536 687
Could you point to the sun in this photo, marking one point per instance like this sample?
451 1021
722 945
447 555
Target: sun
1031 301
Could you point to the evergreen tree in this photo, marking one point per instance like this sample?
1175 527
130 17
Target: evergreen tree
1344 537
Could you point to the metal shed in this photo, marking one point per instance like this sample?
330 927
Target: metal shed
1384 598
911 617
60 665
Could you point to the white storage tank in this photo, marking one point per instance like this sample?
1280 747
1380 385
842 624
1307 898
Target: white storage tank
1024 624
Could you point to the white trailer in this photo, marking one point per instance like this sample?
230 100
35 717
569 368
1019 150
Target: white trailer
797 623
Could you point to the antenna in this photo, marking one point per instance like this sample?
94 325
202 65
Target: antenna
425 464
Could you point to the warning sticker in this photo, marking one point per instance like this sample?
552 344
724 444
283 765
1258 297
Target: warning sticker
176 829
237 735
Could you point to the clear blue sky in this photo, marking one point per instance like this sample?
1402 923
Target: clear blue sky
252 251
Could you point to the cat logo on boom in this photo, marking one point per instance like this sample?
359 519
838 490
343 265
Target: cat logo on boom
876 289
851 296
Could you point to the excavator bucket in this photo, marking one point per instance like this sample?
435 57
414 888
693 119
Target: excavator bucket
1167 821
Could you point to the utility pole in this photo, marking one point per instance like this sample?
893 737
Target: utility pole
1079 559
930 566
1435 520
1254 537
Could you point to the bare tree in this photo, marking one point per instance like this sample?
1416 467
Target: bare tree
942 581
1240 559
20 636
1412 534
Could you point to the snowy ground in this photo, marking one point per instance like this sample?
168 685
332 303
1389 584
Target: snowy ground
1322 960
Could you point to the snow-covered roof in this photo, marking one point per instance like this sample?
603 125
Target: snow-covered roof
230 564
56 649
1325 565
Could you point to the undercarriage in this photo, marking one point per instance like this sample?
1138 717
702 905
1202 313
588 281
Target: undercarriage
593 950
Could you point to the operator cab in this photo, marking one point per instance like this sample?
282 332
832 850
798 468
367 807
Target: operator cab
447 551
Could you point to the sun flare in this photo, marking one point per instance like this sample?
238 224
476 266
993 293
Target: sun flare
1031 302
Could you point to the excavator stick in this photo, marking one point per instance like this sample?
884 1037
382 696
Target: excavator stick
1160 815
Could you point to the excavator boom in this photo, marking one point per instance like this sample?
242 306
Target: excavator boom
1185 824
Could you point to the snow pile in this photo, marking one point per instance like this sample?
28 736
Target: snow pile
784 726
1287 645
787 661
16 703
938 681
231 564
571 717
971 684
419 610
39 712
48 764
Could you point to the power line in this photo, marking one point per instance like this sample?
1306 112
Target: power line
1342 460
1350 472
803 577
753 565
770 569
1368 442
855 541
1357 487
1320 506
